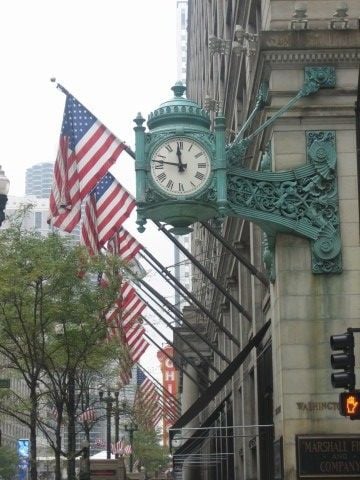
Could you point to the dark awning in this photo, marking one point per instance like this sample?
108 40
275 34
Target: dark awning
219 383
197 438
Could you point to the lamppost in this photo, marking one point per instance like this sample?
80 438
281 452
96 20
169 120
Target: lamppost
85 465
108 399
131 429
117 412
4 189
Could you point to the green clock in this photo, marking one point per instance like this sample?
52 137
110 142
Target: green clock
179 179
180 167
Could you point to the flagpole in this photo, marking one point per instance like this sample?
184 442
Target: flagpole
199 372
159 384
60 87
189 295
183 319
199 354
196 382
127 149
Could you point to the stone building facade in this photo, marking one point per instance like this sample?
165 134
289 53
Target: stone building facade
282 389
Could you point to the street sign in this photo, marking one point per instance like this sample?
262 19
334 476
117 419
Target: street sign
4 382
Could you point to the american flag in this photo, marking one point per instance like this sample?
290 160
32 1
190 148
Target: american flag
146 387
100 443
124 245
127 309
147 398
125 366
87 149
171 408
132 306
127 450
89 415
118 447
136 341
107 207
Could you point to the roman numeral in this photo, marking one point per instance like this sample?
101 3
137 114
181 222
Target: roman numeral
161 177
199 154
199 175
181 187
159 166
170 184
193 184
202 165
190 147
168 148
180 145
161 156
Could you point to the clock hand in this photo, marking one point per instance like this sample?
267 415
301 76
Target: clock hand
168 163
181 165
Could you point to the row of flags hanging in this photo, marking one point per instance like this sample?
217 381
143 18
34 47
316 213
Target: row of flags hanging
151 404
117 448
85 191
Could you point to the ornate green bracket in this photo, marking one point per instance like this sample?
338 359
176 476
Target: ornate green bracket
302 201
314 79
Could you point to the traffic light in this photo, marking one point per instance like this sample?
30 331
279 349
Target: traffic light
349 404
343 361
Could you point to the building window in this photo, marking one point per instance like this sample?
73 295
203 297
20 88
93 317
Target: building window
38 220
183 19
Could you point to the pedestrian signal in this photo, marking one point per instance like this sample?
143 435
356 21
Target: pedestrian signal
349 404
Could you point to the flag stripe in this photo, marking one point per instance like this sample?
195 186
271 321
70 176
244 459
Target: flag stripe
124 245
107 207
86 151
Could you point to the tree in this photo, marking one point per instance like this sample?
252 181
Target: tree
49 286
148 451
8 463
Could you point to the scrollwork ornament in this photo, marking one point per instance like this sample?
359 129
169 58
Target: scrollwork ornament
324 210
235 154
152 197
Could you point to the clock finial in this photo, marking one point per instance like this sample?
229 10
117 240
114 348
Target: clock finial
178 89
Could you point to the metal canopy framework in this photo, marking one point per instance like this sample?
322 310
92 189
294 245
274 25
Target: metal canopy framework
219 383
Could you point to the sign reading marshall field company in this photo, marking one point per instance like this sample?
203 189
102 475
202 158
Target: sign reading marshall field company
336 456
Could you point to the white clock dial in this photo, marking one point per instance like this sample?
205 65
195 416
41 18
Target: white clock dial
180 166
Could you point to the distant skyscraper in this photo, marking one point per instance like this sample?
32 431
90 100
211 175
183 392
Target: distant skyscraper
38 180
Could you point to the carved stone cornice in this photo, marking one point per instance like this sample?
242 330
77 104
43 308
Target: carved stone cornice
314 40
304 57
310 47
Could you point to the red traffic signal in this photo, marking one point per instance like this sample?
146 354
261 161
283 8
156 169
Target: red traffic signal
349 404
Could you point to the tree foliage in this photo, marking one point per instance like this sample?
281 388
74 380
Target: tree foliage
148 451
8 463
51 320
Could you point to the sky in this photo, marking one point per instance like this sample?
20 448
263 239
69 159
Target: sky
117 57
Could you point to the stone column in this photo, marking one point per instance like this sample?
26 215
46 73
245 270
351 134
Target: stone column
190 394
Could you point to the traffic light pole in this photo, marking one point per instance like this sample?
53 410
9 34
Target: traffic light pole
349 402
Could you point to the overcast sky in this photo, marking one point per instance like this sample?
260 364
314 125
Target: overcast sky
117 57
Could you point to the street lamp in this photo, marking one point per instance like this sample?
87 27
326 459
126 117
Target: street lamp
85 461
119 410
108 399
4 190
131 429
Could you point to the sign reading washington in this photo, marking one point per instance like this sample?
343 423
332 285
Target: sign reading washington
335 456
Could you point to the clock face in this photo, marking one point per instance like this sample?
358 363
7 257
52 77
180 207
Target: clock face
180 166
